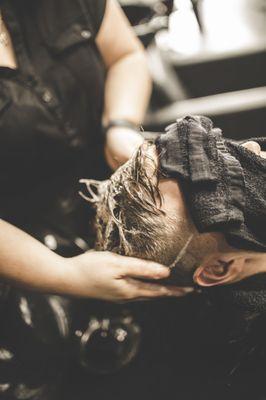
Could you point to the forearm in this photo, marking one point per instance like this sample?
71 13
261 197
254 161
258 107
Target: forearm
128 88
26 262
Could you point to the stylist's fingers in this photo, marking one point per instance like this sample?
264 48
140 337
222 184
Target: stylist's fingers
138 268
252 146
137 289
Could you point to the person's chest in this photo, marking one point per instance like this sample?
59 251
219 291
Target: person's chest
56 94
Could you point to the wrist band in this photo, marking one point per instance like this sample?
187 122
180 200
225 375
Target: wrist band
123 123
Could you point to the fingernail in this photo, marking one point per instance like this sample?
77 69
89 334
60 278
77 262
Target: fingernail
161 271
180 292
169 293
175 293
188 289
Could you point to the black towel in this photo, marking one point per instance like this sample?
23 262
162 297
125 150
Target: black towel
248 295
223 183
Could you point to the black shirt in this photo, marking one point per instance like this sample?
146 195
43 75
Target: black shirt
51 106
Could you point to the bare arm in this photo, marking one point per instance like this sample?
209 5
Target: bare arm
128 84
26 262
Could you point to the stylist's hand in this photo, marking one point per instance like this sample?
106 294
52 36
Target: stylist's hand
252 146
120 145
108 276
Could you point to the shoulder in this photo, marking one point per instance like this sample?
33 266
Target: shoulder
57 15
96 10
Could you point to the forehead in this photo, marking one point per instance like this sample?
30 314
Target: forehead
173 201
148 161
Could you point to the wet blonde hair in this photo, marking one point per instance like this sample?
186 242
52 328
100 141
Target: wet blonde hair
129 218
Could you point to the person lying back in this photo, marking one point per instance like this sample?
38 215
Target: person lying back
193 201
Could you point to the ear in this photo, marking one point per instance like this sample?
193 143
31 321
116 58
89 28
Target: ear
219 272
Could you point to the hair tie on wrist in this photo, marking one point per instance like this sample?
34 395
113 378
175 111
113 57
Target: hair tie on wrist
123 123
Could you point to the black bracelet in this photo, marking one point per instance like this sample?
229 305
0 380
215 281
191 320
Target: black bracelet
123 123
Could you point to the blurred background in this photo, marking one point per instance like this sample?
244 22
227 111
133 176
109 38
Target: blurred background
206 57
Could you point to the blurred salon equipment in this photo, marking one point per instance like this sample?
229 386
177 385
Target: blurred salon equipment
211 60
147 17
107 341
40 335
33 337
